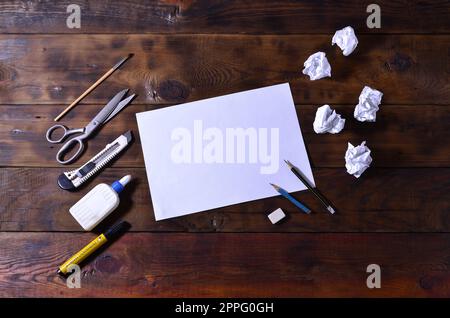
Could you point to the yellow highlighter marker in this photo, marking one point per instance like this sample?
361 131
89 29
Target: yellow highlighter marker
94 245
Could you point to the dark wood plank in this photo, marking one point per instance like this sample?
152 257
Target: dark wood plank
383 200
403 136
205 16
229 265
178 68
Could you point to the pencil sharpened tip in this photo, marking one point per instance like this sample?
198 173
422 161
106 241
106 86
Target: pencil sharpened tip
330 208
288 163
274 186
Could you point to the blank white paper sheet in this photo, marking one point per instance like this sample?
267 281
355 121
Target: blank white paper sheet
222 151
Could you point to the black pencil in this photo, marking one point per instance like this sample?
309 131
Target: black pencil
324 201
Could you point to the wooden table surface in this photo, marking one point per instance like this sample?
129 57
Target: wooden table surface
397 215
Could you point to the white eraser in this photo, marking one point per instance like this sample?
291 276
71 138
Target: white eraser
276 216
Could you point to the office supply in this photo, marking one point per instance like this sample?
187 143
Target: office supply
346 40
293 200
368 104
93 86
93 246
357 159
221 151
327 120
71 180
319 196
276 216
317 66
114 106
98 203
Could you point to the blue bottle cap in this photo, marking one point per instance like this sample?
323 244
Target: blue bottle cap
120 184
117 186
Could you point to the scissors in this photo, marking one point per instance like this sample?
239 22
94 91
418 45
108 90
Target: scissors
114 106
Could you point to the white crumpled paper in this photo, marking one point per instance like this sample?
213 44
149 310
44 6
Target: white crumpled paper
367 108
317 66
327 120
346 40
357 159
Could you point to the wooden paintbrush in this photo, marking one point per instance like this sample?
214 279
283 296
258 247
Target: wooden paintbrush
93 86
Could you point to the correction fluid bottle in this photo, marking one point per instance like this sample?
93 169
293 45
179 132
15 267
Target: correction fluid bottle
98 203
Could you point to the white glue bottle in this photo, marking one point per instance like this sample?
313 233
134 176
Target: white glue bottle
98 203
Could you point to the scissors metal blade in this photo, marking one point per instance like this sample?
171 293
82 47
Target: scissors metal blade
120 106
103 115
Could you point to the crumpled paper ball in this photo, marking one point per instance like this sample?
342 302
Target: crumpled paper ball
327 120
357 159
346 40
317 66
367 108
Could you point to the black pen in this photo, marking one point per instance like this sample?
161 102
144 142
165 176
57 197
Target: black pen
324 201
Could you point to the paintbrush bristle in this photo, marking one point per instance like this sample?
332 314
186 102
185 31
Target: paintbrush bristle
126 58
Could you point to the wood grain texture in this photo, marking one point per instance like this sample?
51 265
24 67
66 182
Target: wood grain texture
384 200
44 69
229 265
206 16
23 129
403 136
186 50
